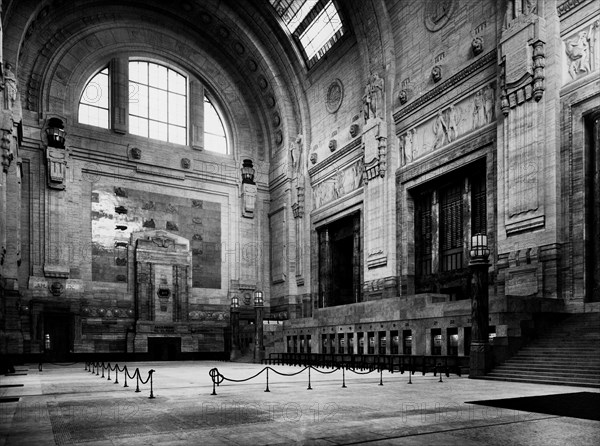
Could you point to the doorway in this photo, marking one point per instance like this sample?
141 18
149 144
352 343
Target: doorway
164 348
57 342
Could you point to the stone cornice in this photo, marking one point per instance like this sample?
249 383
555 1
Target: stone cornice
567 6
356 142
448 84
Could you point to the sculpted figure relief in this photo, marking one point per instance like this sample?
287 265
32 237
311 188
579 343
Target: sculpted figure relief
373 98
10 83
440 130
579 53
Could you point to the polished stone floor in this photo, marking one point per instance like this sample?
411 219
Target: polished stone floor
67 405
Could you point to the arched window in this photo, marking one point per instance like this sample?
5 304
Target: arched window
214 131
157 102
93 104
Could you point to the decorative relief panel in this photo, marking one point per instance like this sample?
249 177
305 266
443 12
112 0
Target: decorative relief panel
581 55
448 125
339 183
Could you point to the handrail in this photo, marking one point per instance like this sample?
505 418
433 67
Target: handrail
217 377
96 366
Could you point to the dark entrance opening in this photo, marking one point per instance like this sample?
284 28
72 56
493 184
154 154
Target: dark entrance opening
57 340
339 262
164 348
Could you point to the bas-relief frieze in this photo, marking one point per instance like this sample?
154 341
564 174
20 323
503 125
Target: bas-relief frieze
448 125
581 55
341 182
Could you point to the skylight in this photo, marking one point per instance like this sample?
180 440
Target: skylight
315 24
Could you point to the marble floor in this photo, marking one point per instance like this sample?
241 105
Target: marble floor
67 405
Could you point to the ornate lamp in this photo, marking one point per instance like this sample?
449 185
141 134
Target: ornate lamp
480 355
55 131
258 298
235 303
479 247
247 172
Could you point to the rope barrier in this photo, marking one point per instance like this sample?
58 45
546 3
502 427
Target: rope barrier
217 377
92 367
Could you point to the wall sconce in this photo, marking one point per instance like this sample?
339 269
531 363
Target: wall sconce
249 189
247 172
55 131
479 247
235 303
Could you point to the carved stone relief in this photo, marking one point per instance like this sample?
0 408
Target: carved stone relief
437 14
373 98
339 183
581 52
449 124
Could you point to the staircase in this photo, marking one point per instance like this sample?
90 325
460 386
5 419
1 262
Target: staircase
569 354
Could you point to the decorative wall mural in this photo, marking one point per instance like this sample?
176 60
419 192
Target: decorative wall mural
448 125
116 216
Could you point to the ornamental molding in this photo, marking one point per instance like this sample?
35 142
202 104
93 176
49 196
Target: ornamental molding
437 91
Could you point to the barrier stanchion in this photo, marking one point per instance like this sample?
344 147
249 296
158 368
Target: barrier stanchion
116 373
109 372
309 387
102 370
151 385
343 378
137 380
97 370
267 389
126 373
381 377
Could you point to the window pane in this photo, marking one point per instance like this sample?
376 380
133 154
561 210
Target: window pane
93 105
138 126
177 135
163 100
158 130
158 104
215 143
176 82
138 72
157 76
177 109
212 122
138 99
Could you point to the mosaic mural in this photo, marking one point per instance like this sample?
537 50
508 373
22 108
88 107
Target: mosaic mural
117 212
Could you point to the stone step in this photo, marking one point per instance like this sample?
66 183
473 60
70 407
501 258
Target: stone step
544 359
574 373
551 366
589 383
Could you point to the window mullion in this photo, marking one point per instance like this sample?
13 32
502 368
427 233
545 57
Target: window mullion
196 113
119 94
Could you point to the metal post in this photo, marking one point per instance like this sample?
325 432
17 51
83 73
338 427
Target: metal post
151 385
380 376
235 330
117 374
108 372
343 378
309 387
479 361
267 389
126 373
137 380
